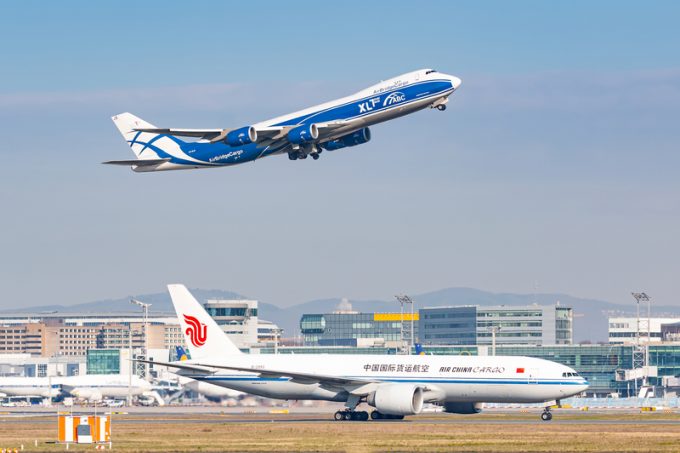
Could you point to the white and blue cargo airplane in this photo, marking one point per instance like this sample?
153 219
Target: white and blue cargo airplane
395 385
334 125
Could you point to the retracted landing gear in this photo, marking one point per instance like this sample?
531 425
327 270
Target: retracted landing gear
351 416
546 416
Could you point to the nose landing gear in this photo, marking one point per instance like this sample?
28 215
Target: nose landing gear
546 416
441 107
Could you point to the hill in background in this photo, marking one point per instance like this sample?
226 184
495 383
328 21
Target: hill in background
590 315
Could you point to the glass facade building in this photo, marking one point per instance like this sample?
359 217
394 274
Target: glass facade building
472 325
355 329
103 361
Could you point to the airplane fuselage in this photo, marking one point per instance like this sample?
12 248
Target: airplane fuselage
114 386
384 101
447 378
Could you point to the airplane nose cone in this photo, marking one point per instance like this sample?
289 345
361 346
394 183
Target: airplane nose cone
455 81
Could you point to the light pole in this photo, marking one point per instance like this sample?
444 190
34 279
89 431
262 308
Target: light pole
277 332
640 297
494 330
404 299
638 356
145 309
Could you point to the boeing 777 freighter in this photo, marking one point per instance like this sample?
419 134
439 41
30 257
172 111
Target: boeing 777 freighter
395 385
334 125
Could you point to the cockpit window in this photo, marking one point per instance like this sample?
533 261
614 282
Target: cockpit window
569 374
430 71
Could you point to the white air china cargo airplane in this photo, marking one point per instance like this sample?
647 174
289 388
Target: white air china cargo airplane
396 385
334 125
89 387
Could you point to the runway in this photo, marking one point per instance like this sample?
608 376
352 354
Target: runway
215 416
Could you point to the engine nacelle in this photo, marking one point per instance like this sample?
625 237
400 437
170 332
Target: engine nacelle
87 393
303 134
242 136
355 138
397 399
463 408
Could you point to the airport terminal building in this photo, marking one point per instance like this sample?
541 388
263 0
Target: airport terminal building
467 325
474 325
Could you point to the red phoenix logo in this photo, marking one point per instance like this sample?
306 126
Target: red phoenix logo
198 332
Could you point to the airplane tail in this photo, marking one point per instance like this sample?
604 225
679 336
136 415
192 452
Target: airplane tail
206 339
151 149
126 124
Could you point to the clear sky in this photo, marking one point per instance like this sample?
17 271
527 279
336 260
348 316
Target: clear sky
555 167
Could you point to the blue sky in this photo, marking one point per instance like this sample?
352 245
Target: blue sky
554 167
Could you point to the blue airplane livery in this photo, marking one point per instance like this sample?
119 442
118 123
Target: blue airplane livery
331 126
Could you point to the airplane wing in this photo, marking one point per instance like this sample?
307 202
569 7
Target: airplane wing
182 366
137 162
266 136
302 378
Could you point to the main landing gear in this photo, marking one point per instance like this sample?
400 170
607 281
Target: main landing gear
303 152
441 107
375 415
348 415
351 416
546 416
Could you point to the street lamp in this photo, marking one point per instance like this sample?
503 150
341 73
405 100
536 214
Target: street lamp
640 297
404 299
145 309
494 330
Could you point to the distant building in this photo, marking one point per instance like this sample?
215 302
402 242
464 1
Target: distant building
473 325
671 332
72 335
625 330
237 318
346 327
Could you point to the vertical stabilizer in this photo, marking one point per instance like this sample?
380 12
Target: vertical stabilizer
205 338
127 123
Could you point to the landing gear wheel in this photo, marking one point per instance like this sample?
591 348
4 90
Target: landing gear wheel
315 156
364 416
546 416
293 156
441 107
375 415
339 416
348 415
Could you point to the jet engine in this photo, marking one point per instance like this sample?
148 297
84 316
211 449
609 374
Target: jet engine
355 138
463 408
303 134
241 136
397 399
87 393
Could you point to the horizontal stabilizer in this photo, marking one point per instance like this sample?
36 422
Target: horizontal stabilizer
138 162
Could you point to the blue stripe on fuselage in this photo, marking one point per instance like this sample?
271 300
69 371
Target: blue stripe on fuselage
522 381
220 154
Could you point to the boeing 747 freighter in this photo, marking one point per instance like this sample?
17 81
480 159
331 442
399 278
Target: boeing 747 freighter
331 126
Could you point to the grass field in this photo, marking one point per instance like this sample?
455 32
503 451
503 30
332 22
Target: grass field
577 433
